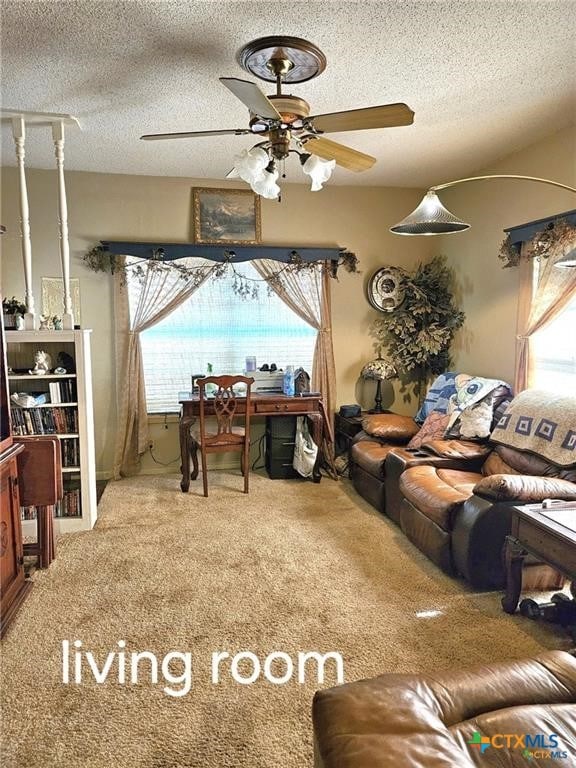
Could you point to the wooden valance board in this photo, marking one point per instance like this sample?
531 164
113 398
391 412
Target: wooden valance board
523 232
225 252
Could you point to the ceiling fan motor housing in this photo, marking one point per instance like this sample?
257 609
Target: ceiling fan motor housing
290 107
280 143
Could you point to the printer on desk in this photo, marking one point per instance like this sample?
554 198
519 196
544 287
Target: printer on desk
266 381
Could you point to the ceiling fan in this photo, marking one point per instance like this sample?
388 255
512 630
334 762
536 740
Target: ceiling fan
283 121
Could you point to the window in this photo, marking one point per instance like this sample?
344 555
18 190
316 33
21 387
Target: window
554 349
218 326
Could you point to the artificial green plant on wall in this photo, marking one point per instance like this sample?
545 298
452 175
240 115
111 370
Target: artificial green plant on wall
418 335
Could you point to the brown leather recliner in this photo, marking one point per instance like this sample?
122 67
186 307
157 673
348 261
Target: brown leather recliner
391 433
459 518
456 405
442 720
453 498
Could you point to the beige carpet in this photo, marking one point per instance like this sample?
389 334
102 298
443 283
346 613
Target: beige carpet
292 567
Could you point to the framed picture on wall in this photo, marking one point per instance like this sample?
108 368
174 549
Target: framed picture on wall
226 216
53 297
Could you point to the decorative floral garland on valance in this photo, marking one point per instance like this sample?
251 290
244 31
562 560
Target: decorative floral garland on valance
100 259
556 235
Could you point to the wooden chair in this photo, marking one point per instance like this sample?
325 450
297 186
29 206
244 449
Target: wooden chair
224 405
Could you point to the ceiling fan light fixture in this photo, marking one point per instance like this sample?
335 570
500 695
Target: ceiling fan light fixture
319 170
284 120
430 218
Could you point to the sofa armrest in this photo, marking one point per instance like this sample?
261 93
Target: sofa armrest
403 458
525 488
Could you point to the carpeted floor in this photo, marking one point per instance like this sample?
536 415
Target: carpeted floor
291 567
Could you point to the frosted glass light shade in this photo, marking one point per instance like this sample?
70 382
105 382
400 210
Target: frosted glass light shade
266 186
250 164
319 171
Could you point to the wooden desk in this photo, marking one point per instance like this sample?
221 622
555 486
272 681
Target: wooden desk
260 405
548 540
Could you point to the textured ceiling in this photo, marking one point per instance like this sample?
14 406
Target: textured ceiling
484 79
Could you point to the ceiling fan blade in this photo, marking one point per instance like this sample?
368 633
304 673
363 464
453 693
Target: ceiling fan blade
192 134
384 116
250 95
348 158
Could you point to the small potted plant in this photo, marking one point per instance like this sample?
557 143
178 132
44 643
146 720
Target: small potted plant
13 312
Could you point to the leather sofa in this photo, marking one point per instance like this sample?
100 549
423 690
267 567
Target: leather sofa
452 719
453 498
383 433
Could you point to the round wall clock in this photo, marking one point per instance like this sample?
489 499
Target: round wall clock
385 290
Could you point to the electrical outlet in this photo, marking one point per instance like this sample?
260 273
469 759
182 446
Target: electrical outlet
150 444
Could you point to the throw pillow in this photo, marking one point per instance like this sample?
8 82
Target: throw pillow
433 428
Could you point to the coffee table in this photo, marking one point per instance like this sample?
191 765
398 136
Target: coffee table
548 532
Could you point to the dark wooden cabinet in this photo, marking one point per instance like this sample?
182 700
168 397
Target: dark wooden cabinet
13 584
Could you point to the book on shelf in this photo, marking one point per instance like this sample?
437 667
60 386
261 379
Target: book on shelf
54 387
44 421
70 452
69 505
63 391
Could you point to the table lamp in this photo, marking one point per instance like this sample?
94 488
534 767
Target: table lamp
381 370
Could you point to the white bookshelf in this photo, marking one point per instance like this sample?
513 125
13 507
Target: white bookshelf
21 348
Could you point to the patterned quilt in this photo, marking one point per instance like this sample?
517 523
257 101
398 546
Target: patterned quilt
466 402
536 423
460 406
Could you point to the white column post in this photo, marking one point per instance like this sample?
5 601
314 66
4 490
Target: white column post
19 133
58 136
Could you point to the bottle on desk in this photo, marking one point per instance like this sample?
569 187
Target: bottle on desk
210 388
289 381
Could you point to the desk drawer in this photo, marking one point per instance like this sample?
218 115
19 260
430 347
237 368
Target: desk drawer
551 549
289 406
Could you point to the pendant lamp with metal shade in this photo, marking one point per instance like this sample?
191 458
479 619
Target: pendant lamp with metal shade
568 261
432 218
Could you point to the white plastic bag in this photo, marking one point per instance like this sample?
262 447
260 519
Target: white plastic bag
305 449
